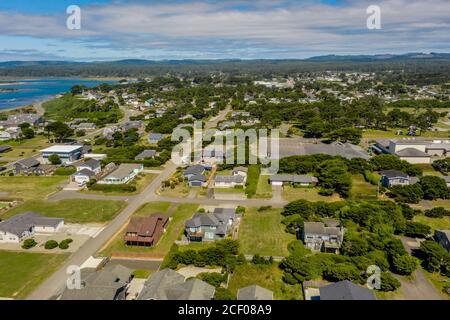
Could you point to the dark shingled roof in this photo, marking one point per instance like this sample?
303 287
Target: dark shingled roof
345 290
28 162
412 152
22 222
394 174
254 292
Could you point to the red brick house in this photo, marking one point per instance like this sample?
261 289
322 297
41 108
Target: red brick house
145 231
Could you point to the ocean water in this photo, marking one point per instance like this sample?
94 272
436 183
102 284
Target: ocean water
31 91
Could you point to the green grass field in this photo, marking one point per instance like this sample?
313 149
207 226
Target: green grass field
434 223
252 180
311 194
266 276
391 133
263 233
30 269
73 211
176 226
263 189
25 148
30 188
362 189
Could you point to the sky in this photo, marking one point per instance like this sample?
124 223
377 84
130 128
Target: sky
219 29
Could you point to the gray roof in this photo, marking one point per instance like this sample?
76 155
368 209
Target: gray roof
320 228
446 178
100 285
394 174
292 178
28 162
202 219
229 179
345 290
254 292
146 154
4 148
412 152
123 170
155 136
170 285
196 169
91 163
20 223
84 172
197 177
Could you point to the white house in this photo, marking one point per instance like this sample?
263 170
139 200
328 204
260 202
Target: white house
91 165
21 226
83 176
123 174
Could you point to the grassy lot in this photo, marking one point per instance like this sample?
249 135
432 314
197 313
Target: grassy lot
25 148
312 194
30 188
181 190
253 174
30 269
428 170
391 133
362 189
229 190
266 276
434 223
263 233
73 211
263 189
176 225
140 182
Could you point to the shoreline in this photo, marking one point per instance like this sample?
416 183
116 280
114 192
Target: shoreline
32 105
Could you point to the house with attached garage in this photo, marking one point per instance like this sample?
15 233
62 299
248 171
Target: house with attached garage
193 170
21 226
229 181
146 154
197 180
390 178
83 176
31 166
91 165
301 180
171 285
123 174
145 231
324 236
345 290
210 226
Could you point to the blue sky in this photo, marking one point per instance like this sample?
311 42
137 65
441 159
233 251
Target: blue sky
213 29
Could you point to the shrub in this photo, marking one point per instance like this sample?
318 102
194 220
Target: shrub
388 282
224 294
29 243
63 245
213 278
113 187
404 264
51 244
240 209
437 212
264 208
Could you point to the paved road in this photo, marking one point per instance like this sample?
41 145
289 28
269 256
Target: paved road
56 282
220 117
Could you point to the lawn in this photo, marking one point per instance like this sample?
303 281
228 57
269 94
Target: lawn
73 211
251 185
181 190
311 194
362 189
25 148
264 188
266 276
391 133
434 223
30 269
30 188
140 182
263 233
179 215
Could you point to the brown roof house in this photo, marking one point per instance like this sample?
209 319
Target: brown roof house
145 231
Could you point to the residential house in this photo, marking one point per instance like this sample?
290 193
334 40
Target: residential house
414 156
109 283
254 292
10 133
83 176
4 148
229 181
91 165
324 236
443 238
345 290
302 180
210 226
391 178
197 180
26 166
146 154
123 174
240 171
193 170
170 285
67 153
30 118
145 231
131 125
154 138
21 226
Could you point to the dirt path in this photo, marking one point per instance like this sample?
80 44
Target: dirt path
418 288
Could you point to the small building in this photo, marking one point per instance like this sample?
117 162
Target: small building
197 180
302 180
123 174
91 165
345 290
170 285
67 153
414 156
83 176
21 226
391 178
4 148
146 154
254 292
193 170
109 283
145 231
26 166
210 226
324 236
20 118
443 238
229 181
154 138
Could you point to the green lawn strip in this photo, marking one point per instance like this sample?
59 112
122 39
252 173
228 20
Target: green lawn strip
73 210
30 269
311 194
253 174
263 188
434 223
362 189
263 233
30 188
266 276
142 274
174 229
